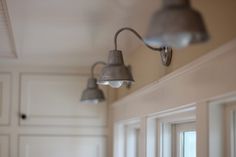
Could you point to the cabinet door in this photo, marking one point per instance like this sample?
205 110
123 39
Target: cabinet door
5 84
54 100
4 146
57 146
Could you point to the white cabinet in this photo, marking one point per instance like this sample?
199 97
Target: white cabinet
4 146
5 88
59 146
48 99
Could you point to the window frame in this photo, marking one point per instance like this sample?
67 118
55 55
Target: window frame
132 139
230 128
121 131
160 130
177 131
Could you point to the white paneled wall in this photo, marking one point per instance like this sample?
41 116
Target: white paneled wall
55 100
56 124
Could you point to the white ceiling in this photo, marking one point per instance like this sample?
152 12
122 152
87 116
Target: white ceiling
69 32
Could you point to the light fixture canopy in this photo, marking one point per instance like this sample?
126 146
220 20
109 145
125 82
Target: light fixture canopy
116 73
176 24
92 94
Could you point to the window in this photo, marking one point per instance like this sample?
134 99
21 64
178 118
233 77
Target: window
172 133
127 138
230 130
185 137
222 127
132 140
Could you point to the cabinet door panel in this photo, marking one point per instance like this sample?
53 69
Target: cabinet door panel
4 146
5 84
55 100
56 146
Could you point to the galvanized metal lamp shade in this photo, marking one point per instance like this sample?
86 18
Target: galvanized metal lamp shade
176 24
115 73
92 94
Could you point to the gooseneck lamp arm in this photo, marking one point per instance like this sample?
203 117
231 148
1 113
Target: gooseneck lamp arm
165 51
94 65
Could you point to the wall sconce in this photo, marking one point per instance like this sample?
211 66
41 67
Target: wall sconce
92 94
116 74
176 24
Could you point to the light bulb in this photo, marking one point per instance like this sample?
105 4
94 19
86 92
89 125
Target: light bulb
95 101
116 84
92 101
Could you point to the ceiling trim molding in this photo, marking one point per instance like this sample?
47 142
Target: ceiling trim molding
9 26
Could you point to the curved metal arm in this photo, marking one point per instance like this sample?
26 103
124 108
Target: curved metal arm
137 35
165 51
94 65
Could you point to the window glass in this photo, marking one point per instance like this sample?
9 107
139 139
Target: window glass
189 144
132 141
185 140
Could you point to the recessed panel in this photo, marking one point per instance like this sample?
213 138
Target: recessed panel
4 146
5 80
65 146
55 100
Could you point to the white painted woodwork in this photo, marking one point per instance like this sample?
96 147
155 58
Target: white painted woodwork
229 123
54 100
216 128
132 140
125 138
50 96
177 133
4 146
62 146
160 130
202 127
5 95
